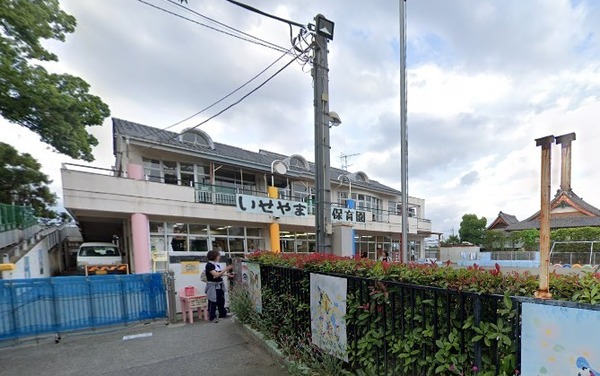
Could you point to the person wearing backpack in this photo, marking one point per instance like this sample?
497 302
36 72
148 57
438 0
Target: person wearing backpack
215 288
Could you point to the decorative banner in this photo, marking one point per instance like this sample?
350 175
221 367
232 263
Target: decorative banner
190 267
251 279
327 312
271 206
559 341
347 215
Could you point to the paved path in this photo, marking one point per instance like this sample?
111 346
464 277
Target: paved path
201 348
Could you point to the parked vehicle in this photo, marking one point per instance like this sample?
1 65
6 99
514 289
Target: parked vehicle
91 254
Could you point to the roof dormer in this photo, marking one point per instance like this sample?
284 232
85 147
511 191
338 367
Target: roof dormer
197 137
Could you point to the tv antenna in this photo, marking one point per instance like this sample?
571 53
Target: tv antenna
344 159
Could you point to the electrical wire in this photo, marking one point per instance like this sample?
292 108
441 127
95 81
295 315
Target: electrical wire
239 100
230 93
280 49
255 10
223 24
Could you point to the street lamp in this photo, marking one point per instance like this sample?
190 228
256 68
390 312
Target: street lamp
334 119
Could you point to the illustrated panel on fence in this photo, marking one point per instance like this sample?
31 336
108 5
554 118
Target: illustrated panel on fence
328 311
251 279
559 340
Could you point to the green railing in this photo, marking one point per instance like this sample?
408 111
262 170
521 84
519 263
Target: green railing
16 217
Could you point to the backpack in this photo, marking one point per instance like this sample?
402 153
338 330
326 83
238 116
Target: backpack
203 276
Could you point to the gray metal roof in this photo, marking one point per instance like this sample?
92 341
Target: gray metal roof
560 222
226 153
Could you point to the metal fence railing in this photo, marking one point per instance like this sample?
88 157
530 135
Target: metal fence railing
16 217
434 313
513 255
30 307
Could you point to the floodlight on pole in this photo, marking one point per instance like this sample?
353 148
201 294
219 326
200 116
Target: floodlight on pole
324 27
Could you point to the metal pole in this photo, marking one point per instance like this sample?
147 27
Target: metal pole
544 289
403 133
322 147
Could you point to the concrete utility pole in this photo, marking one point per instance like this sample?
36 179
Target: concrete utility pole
323 33
544 290
403 133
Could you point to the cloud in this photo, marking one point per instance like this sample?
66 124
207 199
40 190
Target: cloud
484 80
469 178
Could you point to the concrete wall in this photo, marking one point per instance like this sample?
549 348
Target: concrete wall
456 254
35 264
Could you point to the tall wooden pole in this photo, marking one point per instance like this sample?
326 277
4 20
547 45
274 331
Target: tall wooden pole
544 290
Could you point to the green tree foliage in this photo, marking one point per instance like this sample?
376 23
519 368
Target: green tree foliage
530 239
56 106
494 240
472 229
452 240
22 182
574 235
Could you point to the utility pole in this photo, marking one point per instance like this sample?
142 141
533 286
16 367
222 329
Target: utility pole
320 72
543 291
403 132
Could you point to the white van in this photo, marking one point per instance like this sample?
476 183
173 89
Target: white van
98 254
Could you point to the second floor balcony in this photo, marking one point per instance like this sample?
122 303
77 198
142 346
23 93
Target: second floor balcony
102 190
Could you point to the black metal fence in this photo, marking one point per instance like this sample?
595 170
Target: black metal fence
396 328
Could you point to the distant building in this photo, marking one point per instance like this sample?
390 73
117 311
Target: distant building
503 221
567 210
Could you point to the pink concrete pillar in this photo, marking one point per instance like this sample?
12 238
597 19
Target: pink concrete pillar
141 243
135 171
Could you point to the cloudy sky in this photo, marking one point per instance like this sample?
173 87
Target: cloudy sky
485 78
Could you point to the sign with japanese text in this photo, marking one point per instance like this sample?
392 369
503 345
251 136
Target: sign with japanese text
270 206
347 215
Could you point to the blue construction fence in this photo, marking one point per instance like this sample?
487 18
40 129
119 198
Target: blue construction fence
30 307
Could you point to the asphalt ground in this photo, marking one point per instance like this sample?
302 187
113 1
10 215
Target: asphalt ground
153 349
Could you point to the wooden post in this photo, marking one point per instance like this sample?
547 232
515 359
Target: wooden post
544 289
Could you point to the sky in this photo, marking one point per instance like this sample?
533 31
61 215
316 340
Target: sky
484 79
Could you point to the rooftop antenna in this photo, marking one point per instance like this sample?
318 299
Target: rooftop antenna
344 159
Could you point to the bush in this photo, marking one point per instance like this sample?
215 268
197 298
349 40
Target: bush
424 345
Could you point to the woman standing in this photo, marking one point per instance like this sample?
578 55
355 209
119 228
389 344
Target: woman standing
215 288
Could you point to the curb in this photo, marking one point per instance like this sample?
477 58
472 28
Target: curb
268 345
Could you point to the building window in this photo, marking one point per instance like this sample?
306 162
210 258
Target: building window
193 237
177 173
152 170
297 242
170 172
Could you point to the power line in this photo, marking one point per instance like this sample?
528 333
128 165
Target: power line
239 100
230 94
223 24
255 10
280 49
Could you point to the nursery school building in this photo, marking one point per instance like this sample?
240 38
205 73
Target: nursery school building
170 198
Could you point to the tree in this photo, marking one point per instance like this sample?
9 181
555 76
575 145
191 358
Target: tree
22 182
452 240
494 240
528 238
472 229
58 107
